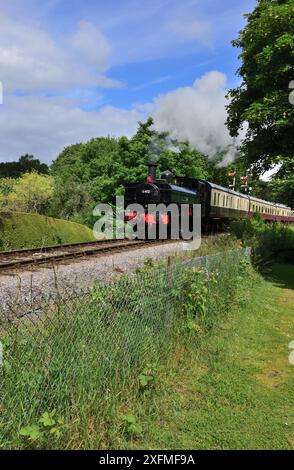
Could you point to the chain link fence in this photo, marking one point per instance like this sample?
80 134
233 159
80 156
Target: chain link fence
74 353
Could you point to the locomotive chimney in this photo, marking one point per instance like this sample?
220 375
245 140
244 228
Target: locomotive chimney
152 172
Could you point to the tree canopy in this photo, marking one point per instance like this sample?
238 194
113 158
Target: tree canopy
25 164
98 169
29 193
262 101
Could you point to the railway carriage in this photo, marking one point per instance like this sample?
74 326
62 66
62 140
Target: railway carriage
228 204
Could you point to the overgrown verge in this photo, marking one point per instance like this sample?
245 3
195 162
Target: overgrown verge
21 230
73 371
269 242
231 386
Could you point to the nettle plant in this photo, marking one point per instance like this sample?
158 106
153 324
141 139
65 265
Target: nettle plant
131 425
195 302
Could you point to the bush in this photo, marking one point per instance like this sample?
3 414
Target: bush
276 243
270 242
29 193
247 229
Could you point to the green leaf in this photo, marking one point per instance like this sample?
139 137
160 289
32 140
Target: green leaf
129 418
55 431
136 429
33 432
47 419
145 379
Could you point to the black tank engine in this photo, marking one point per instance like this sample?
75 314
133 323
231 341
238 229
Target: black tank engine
166 191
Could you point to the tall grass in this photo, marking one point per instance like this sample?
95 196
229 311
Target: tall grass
72 369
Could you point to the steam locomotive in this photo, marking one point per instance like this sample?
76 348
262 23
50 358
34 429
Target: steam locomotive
218 204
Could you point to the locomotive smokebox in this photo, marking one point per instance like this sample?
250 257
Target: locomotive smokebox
152 172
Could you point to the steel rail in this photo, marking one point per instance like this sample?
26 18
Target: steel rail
25 257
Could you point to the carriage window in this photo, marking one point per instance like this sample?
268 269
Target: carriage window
214 199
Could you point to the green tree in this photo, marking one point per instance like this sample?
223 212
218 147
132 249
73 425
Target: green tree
6 186
282 184
30 193
70 199
25 164
96 171
261 102
178 157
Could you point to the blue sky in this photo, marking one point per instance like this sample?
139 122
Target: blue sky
74 69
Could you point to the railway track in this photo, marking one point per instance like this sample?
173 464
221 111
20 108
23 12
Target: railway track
51 254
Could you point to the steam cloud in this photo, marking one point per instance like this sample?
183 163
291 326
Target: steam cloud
197 114
160 143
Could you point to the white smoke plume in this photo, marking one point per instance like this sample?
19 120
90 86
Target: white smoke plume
198 114
159 143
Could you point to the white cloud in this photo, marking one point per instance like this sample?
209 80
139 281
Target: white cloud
198 114
92 45
191 29
44 126
30 59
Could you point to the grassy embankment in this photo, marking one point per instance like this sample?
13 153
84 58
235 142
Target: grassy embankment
234 388
21 230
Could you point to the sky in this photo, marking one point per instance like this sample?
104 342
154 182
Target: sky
72 70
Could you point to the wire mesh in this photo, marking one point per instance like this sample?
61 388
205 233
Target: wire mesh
76 348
